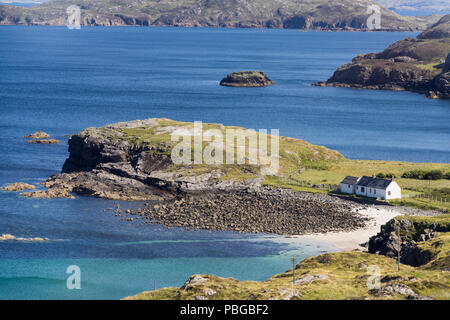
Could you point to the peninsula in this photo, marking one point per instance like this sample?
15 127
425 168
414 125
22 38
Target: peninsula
420 65
133 161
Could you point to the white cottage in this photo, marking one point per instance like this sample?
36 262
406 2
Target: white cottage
348 184
372 187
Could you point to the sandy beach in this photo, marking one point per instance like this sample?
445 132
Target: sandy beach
354 240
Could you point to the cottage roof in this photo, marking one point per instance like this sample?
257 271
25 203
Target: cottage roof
350 180
376 183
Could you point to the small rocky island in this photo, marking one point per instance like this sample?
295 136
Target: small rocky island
246 79
40 137
419 65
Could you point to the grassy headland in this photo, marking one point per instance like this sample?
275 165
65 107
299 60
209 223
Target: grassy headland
304 166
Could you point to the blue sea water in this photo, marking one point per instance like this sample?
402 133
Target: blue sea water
62 81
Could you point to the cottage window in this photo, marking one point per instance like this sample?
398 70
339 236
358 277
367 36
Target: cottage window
389 193
349 186
362 189
374 191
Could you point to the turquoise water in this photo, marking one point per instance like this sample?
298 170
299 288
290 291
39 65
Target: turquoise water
63 81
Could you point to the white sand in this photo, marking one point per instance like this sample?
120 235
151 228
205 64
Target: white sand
349 241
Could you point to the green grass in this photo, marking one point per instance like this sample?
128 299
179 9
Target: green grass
347 279
424 204
344 274
430 66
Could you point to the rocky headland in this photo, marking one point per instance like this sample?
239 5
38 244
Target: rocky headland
343 15
246 79
132 161
420 65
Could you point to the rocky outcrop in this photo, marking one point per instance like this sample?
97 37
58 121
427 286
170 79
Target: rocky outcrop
38 135
441 84
347 15
18 186
407 234
246 79
10 237
399 289
44 141
417 65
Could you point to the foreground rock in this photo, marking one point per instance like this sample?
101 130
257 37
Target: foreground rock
410 236
274 211
419 65
18 186
246 79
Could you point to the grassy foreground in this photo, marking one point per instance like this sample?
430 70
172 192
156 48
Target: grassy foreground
333 276
342 275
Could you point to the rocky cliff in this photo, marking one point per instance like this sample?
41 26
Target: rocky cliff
419 239
306 14
420 65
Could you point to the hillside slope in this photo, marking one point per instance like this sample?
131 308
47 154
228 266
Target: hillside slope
331 276
305 14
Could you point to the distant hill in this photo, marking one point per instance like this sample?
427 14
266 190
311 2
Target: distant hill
296 14
435 6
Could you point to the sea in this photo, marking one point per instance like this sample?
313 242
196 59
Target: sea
61 81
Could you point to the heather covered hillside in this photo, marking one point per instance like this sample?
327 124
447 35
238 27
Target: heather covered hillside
307 14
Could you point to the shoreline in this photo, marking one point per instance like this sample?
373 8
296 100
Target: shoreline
356 239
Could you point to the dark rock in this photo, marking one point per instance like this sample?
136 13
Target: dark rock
246 79
387 242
